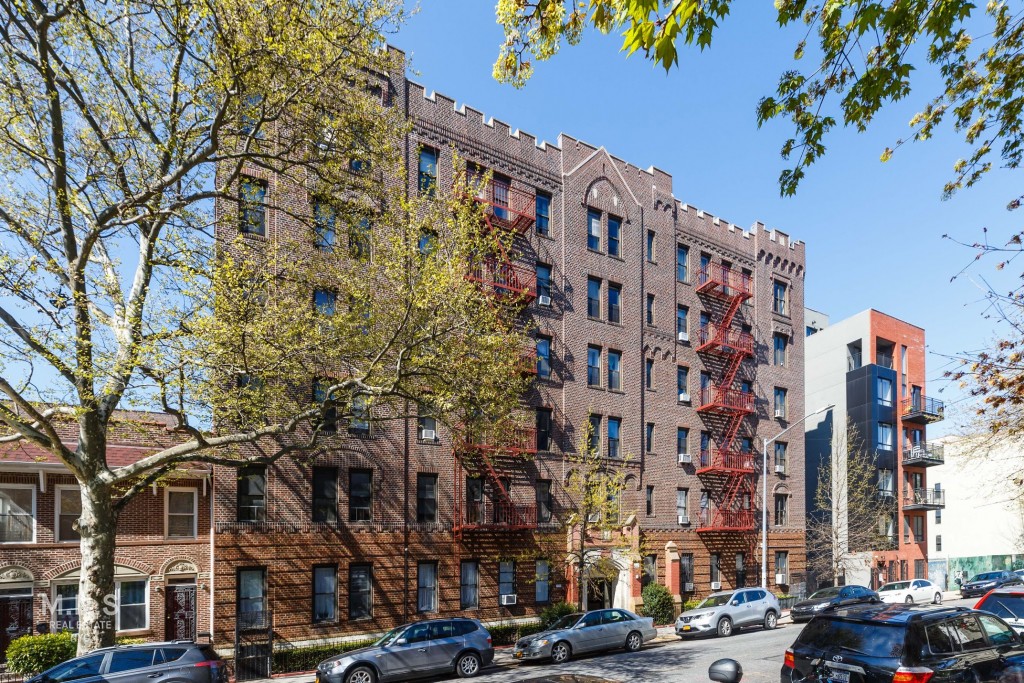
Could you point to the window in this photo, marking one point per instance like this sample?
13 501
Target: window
650 500
885 436
474 500
650 309
741 570
428 171
593 297
544 501
325 494
69 509
506 577
360 239
593 230
81 667
650 570
595 434
594 366
614 303
780 455
426 427
426 243
132 605
543 347
325 219
682 263
426 587
426 498
682 440
918 528
683 382
781 509
650 246
649 373
649 437
682 326
544 280
782 565
323 301
705 449
705 265
614 370
328 412
938 542
359 423
65 608
780 342
780 403
360 495
252 593
543 429
252 494
325 593
129 660
884 391
543 211
542 581
715 565
182 511
779 297
938 516
17 513
252 196
682 503
360 591
614 426
614 236
469 585
685 571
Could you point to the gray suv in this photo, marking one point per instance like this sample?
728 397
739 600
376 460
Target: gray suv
722 613
426 648
180 661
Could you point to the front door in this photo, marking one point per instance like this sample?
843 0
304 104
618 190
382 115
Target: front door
15 620
180 610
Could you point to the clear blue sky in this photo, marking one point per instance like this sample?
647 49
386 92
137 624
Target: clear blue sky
873 231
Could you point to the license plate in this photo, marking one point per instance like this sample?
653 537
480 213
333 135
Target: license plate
835 676
517 655
686 628
317 677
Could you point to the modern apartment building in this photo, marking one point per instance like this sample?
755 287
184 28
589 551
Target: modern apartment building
871 368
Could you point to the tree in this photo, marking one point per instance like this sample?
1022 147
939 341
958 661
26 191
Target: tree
130 131
867 52
853 515
593 488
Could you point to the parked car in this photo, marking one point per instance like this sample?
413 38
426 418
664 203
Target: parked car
603 629
179 661
828 598
917 590
1007 604
425 648
983 583
905 643
721 613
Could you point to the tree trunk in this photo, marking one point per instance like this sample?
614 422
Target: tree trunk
584 586
97 606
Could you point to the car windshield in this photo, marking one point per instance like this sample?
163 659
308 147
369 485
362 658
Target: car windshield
873 640
1005 606
829 592
987 576
390 636
568 621
895 586
716 600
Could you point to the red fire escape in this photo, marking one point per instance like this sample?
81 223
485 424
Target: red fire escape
491 457
725 468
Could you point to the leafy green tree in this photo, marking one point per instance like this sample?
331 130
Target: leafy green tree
132 129
865 55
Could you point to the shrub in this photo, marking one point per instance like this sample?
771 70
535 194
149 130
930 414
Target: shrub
657 603
509 633
35 653
129 640
306 658
554 612
691 604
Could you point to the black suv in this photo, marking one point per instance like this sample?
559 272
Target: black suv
180 661
905 644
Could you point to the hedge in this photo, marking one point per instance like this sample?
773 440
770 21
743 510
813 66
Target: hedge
306 658
509 633
658 603
553 613
32 654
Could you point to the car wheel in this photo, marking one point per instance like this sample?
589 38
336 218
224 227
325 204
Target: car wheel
561 652
771 620
938 599
909 600
725 627
468 665
361 674
634 641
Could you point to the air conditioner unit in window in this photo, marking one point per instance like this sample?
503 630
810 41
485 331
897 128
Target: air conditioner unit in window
684 397
685 459
780 580
779 413
684 519
684 336
544 300
429 435
687 587
508 600
716 585
780 469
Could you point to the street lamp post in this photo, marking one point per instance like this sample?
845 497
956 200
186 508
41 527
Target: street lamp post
764 491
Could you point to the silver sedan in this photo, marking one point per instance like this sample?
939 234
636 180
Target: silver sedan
603 629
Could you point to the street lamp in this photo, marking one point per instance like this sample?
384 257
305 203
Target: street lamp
764 491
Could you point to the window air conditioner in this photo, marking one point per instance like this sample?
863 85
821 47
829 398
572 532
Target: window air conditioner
779 413
429 435
780 469
780 579
507 600
684 519
684 336
544 300
716 585
685 459
684 397
687 587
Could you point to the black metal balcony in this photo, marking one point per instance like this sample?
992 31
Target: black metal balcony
922 410
923 499
923 455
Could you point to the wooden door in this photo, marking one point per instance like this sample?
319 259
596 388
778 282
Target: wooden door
180 612
15 620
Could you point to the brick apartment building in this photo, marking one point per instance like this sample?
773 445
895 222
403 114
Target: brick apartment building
678 333
162 565
871 366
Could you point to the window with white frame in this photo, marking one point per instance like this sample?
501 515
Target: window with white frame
182 507
132 605
469 585
426 587
325 593
543 581
68 510
17 513
506 577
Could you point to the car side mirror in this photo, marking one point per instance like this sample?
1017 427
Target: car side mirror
734 603
725 671
402 641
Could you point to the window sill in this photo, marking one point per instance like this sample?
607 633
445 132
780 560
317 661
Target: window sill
253 235
617 391
617 257
614 323
595 251
327 623
545 235
428 442
597 387
596 320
